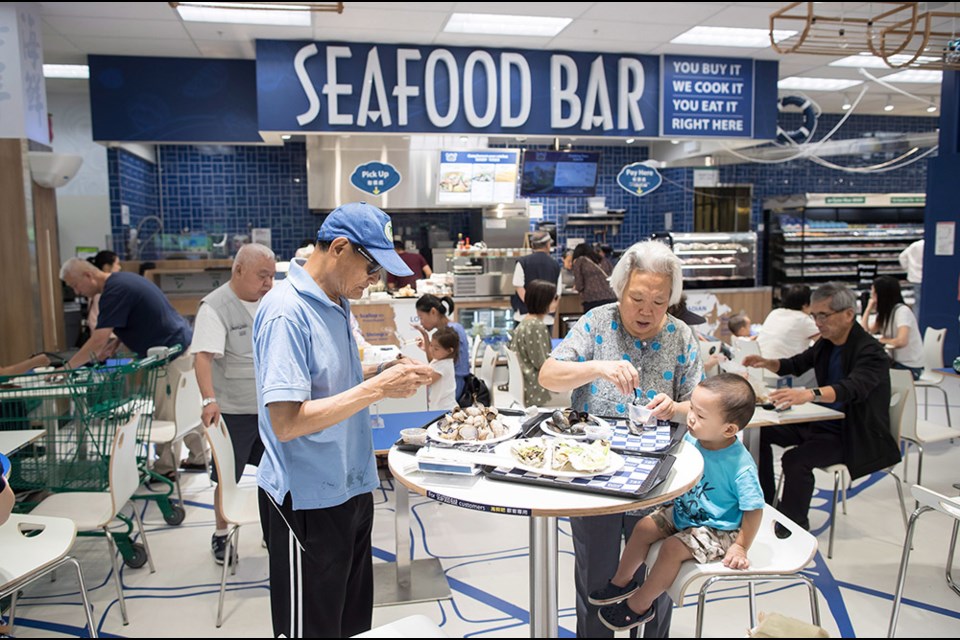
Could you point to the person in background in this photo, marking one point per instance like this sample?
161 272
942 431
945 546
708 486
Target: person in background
223 351
911 259
538 265
790 330
854 377
138 312
313 394
434 313
605 252
589 278
615 354
566 273
108 262
442 351
18 368
531 341
896 325
717 519
739 325
418 265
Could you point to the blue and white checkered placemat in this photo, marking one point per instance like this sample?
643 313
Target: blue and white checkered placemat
628 481
655 440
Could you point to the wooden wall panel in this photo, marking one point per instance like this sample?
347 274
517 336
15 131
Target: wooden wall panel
48 267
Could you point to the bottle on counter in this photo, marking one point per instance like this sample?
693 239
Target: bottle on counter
459 241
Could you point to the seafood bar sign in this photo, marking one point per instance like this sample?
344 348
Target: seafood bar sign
374 88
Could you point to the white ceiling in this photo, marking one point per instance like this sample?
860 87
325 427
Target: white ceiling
73 30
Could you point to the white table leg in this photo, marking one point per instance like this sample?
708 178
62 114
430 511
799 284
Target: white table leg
544 614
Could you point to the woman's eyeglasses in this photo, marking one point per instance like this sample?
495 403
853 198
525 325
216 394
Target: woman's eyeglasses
374 266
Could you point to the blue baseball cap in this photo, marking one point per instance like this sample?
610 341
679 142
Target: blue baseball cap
369 227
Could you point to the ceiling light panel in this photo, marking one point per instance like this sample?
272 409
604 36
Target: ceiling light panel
71 71
817 84
505 25
915 75
876 62
730 37
286 15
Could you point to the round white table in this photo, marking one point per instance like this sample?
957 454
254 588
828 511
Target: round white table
543 506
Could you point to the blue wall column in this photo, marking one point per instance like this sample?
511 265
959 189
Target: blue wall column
939 307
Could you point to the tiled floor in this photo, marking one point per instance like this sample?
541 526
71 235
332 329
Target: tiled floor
485 559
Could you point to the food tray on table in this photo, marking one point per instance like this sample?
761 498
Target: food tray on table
640 474
663 439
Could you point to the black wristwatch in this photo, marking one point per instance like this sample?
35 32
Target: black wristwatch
817 394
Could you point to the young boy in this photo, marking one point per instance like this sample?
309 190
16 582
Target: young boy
719 518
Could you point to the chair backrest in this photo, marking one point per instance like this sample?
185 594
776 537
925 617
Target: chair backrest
903 405
709 348
487 366
934 500
222 449
474 352
933 348
124 473
515 377
743 347
186 403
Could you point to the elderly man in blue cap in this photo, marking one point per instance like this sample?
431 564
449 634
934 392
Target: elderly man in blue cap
318 469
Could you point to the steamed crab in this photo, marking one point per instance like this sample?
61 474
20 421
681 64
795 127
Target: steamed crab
472 423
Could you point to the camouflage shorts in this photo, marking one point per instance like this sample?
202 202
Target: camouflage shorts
705 543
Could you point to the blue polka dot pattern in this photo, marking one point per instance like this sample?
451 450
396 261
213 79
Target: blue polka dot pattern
599 339
614 325
621 408
682 359
683 379
655 346
589 314
668 375
703 377
586 407
671 328
581 359
593 388
638 344
586 325
651 394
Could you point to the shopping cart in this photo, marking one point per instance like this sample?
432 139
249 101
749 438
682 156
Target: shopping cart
79 410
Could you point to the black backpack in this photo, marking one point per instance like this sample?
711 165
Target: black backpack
474 390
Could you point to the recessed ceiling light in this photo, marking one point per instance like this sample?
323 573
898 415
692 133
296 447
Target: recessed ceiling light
504 25
915 75
731 37
931 108
889 105
817 84
269 13
674 142
286 136
630 140
72 71
846 106
876 62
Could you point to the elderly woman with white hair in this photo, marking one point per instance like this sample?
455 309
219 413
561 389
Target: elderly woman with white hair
617 354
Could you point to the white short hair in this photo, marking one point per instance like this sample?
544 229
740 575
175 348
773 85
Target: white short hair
650 256
251 252
76 266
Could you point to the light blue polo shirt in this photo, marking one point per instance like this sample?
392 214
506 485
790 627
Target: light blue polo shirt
303 349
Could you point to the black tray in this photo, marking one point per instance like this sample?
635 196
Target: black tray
659 441
641 474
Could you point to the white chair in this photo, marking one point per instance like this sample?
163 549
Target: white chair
709 348
94 511
743 347
487 368
515 386
901 401
771 558
186 410
931 378
416 626
238 505
928 501
474 352
920 432
34 546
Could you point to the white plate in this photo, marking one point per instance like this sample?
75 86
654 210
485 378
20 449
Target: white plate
504 450
512 423
547 427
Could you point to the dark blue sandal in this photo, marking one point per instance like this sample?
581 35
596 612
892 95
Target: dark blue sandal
611 593
620 617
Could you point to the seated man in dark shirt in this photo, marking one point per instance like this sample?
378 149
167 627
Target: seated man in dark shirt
417 264
140 315
853 372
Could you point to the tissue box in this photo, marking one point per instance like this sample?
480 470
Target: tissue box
433 461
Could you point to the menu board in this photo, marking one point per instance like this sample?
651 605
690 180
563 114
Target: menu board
478 177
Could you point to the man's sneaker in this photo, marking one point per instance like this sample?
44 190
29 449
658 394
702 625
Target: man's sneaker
218 544
620 617
612 593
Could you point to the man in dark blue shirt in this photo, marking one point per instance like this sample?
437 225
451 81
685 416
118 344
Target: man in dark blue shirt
141 317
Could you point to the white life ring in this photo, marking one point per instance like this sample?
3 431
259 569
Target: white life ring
810 115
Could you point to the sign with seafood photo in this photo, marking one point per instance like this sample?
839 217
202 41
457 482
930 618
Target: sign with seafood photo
478 177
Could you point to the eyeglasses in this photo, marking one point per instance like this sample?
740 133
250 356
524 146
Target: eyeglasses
374 266
821 317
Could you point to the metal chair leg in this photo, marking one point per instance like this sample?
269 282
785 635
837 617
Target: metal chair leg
112 544
143 538
926 405
83 596
953 547
902 575
946 404
752 601
223 577
776 493
843 489
833 512
903 505
814 603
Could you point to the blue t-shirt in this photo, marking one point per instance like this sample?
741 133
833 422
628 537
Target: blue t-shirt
140 314
462 366
303 349
729 486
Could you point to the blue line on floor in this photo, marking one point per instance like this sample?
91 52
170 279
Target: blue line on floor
907 601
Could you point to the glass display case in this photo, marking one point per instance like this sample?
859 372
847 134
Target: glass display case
716 260
479 272
485 321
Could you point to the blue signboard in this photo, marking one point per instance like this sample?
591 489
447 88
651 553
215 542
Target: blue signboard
639 179
375 178
478 177
710 97
323 86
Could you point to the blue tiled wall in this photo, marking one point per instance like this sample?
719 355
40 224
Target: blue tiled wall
133 182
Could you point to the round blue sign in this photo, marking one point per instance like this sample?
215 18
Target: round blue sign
375 178
639 179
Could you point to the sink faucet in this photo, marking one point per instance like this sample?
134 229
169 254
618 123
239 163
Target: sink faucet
137 245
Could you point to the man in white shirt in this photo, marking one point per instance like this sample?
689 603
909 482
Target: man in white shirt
223 348
911 259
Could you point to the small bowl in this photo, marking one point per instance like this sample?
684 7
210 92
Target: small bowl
414 436
598 432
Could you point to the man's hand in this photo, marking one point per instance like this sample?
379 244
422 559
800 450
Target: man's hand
663 406
762 363
620 372
210 416
402 380
786 398
736 558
